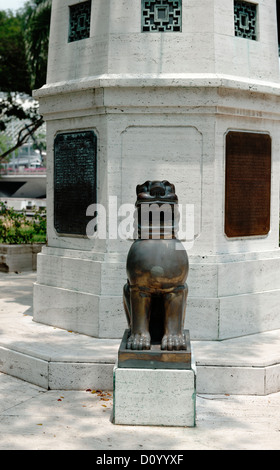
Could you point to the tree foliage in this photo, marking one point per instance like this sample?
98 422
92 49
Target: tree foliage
11 109
14 72
16 228
37 23
24 40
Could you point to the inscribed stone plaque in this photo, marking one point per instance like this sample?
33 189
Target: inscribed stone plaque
248 184
74 181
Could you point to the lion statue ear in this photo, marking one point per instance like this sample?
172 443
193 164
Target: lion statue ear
170 186
145 187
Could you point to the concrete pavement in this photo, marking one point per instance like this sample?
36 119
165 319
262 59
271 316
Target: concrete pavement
32 418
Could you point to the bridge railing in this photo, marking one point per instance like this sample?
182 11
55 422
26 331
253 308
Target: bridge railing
25 171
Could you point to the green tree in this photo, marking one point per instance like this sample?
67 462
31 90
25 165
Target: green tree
23 63
14 73
11 109
3 143
36 16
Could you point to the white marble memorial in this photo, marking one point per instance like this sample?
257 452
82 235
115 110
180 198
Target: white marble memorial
161 105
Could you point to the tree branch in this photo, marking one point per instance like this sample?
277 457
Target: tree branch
23 135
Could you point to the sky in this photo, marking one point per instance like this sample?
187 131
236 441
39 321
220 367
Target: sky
11 4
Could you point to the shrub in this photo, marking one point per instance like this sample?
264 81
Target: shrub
16 228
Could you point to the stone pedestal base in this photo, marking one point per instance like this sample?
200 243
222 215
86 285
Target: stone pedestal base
154 397
19 257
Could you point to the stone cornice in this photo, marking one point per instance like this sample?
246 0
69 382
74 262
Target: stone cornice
159 81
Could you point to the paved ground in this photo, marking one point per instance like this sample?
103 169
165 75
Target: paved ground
32 418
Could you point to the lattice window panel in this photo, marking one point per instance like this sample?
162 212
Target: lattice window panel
161 16
79 27
245 20
278 24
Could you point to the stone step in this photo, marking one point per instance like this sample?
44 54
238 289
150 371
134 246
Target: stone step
58 359
248 365
61 360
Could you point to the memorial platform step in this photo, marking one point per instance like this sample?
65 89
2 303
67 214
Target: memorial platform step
62 360
57 359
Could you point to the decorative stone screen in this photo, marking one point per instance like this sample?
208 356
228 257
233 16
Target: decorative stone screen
161 16
278 24
79 27
245 19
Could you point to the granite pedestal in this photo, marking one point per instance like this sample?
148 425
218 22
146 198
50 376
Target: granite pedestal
154 397
154 387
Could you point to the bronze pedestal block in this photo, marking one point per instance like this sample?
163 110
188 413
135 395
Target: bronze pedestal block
155 294
154 358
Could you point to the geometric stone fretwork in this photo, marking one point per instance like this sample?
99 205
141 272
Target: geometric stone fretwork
161 16
278 23
79 25
245 20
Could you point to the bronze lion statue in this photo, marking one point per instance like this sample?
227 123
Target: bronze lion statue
155 294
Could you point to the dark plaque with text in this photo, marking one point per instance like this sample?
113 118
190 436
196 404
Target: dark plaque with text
248 184
74 180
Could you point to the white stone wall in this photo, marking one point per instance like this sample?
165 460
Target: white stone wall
161 106
175 132
207 43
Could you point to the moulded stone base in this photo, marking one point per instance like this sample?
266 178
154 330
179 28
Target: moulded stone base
77 292
154 397
67 309
221 318
233 295
229 296
81 312
19 257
